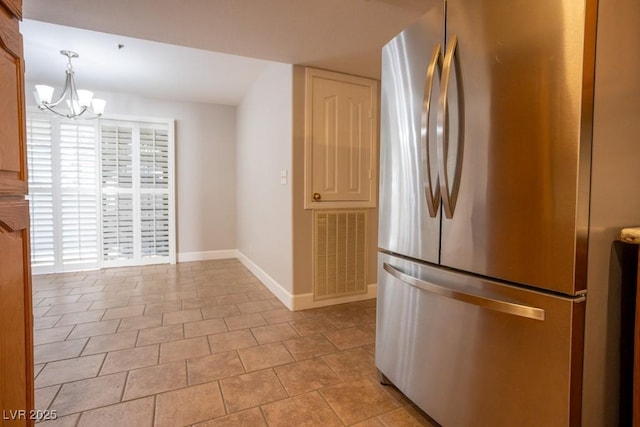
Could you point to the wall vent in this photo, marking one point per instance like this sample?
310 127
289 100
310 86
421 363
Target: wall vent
339 253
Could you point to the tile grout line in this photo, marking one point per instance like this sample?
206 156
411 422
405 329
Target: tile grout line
224 402
104 359
331 406
264 416
153 413
54 396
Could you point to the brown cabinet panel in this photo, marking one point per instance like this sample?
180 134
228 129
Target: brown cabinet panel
16 321
14 6
13 175
16 340
636 357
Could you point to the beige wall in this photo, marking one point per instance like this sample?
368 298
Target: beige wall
205 167
264 232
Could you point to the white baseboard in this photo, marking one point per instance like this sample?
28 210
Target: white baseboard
302 301
276 288
292 302
207 255
305 301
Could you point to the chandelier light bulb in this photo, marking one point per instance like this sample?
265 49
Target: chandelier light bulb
98 105
84 97
44 93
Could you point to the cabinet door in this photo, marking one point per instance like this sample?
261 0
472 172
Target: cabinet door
16 343
13 177
341 140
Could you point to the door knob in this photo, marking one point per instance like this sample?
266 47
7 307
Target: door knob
316 196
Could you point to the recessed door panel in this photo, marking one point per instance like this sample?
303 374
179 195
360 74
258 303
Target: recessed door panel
16 343
12 149
342 135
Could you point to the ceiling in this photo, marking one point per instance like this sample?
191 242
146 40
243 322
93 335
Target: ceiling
201 50
141 67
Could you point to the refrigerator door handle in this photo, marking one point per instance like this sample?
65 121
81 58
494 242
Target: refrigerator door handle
443 128
490 303
433 198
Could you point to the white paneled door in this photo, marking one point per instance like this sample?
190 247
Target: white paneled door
341 140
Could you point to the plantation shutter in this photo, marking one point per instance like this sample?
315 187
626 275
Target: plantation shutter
117 192
63 188
41 194
154 192
137 168
78 195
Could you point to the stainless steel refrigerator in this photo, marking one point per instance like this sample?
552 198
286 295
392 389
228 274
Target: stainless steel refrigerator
505 132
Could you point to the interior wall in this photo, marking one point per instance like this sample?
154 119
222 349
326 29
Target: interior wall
264 223
205 166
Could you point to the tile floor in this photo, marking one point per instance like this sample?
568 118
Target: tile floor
202 344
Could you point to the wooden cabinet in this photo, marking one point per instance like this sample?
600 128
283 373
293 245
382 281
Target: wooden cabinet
13 6
16 344
636 347
13 158
16 337
341 118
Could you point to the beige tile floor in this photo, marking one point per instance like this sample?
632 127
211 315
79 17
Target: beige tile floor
203 344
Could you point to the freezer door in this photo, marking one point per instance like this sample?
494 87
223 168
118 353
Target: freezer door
409 198
471 352
519 114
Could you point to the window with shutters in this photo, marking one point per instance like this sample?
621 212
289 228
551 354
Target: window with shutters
63 186
137 201
101 193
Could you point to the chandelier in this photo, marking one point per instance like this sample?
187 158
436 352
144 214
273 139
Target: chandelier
78 103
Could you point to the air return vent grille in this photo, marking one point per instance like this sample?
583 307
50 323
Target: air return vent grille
339 253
